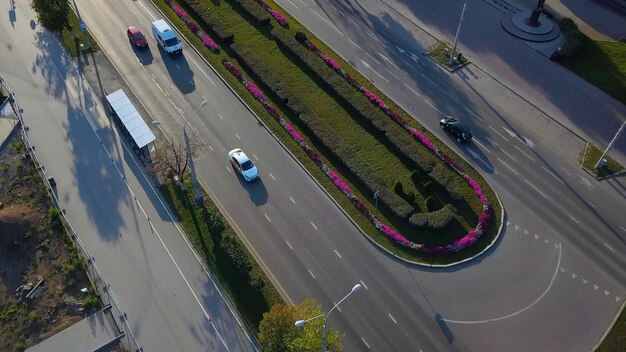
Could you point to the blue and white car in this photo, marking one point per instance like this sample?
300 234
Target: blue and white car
240 162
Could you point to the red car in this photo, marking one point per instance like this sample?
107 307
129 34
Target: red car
136 38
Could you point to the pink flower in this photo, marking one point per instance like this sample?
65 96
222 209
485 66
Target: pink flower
255 91
191 25
332 63
278 16
232 69
179 12
209 43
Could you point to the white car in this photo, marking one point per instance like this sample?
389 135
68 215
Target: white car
240 162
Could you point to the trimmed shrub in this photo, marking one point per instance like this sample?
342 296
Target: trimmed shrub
208 21
433 203
574 39
254 11
437 219
235 251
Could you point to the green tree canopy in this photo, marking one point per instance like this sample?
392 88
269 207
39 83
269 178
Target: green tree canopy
52 14
278 333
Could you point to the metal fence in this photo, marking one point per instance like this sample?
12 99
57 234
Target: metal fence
93 272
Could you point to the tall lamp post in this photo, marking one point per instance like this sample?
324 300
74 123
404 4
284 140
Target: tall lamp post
300 323
192 168
601 161
456 37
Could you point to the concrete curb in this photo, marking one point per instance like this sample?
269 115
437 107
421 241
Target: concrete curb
608 331
363 233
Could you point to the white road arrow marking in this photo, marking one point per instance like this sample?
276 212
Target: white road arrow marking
617 299
526 232
511 133
477 157
606 293
563 270
536 237
585 282
529 143
516 228
574 276
595 287
546 241
367 65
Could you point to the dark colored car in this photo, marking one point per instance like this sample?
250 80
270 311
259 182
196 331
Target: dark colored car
136 37
460 131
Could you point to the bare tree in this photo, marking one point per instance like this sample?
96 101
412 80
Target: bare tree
170 157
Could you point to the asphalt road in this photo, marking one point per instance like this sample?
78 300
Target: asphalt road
546 285
169 300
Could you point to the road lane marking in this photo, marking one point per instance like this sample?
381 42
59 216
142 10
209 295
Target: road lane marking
229 170
623 228
254 156
545 292
609 247
588 202
353 21
536 189
392 318
294 5
364 285
521 151
493 144
450 96
432 106
272 176
411 89
471 112
500 134
365 342
236 135
293 201
267 217
389 61
373 58
289 245
355 44
509 155
328 23
507 165
310 272
312 224
211 148
391 73
339 255
375 38
573 218
429 80
220 116
482 146
335 305
304 3
553 175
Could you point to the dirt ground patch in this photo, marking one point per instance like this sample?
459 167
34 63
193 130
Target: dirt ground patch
34 248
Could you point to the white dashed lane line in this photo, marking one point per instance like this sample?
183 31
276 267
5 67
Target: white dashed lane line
623 228
355 44
509 155
432 106
574 219
293 201
499 134
536 189
471 112
609 247
272 176
412 91
392 318
294 5
391 73
289 245
236 135
354 22
523 152
553 175
229 170
312 224
364 285
482 146
328 23
591 204
373 58
267 217
365 342
310 272
510 168
254 156
220 116
339 255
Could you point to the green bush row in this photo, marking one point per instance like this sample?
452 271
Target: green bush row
375 120
324 134
208 20
252 9
437 216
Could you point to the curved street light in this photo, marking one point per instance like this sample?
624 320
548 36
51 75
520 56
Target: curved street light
300 323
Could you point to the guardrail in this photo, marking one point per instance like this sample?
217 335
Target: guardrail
103 288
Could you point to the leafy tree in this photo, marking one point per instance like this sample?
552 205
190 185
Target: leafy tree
52 14
278 333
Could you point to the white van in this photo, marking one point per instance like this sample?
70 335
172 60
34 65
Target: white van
166 37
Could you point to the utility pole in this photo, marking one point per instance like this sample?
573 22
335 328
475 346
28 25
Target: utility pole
600 162
458 32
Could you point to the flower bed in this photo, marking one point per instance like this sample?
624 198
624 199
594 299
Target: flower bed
206 40
277 15
466 241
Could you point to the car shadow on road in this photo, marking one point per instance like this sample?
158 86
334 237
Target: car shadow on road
179 71
256 190
144 55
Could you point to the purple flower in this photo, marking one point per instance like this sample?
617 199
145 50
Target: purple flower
191 25
278 16
209 43
255 91
179 12
168 2
332 63
232 69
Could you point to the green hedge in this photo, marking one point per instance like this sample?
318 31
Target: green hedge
254 11
360 108
324 134
208 21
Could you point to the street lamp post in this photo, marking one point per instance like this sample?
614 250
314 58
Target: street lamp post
600 162
300 323
192 168
456 37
